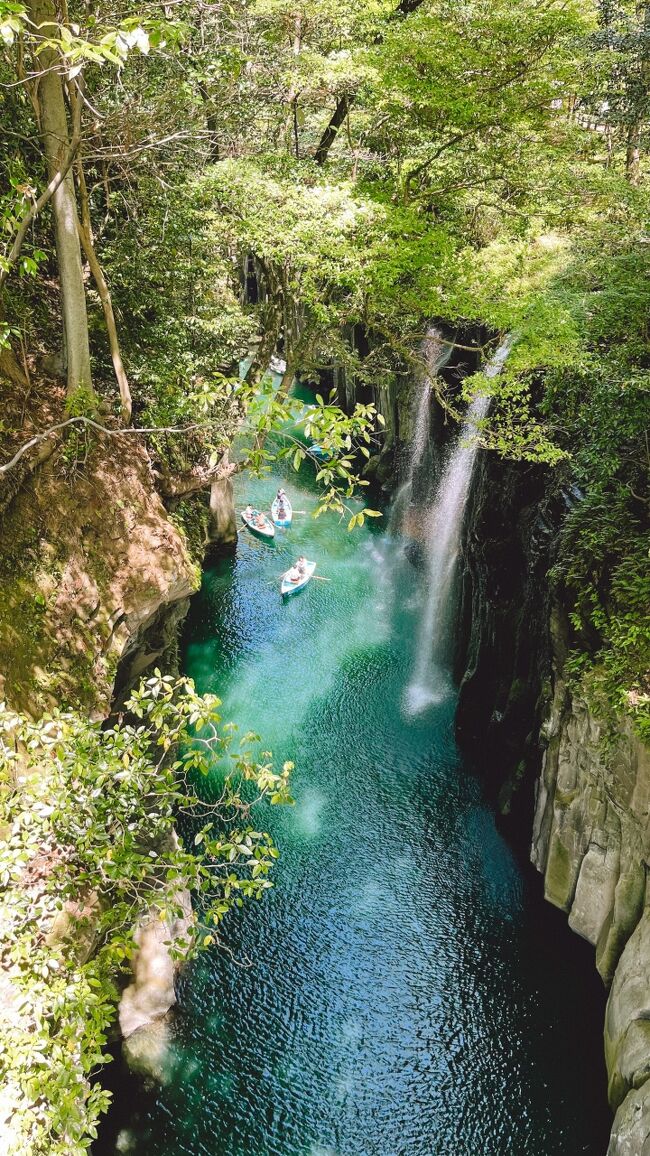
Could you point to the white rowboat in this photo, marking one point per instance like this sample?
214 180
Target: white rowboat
276 505
289 587
267 530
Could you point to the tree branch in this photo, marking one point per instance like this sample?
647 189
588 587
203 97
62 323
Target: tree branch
345 102
86 238
4 469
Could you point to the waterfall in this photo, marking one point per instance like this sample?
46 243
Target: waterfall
430 680
389 552
436 353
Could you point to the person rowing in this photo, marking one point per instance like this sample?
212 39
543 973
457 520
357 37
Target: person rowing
281 511
297 576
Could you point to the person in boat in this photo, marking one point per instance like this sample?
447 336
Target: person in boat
281 495
301 565
282 513
260 521
294 574
248 512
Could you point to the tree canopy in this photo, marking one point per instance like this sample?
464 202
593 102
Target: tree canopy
193 188
188 190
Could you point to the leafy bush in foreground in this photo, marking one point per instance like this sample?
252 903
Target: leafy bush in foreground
88 849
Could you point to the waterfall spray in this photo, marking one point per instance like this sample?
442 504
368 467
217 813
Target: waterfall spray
443 524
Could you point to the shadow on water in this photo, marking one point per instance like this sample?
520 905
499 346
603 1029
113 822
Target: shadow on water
404 990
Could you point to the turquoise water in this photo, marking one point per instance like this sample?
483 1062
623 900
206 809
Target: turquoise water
398 992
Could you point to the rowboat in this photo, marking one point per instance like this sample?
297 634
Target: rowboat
276 504
267 530
289 587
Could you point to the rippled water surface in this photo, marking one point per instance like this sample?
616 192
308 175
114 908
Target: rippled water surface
392 995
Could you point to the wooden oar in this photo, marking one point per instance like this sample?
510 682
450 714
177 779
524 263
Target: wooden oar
318 577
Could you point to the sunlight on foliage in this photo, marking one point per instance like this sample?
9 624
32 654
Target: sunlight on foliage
88 817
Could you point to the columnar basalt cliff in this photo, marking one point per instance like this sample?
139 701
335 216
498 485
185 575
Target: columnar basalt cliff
581 783
503 659
591 841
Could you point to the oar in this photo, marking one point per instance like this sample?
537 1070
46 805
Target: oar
318 577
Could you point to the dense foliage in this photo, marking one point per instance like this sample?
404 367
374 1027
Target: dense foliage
90 851
316 180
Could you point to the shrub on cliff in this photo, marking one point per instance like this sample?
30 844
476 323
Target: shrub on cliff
87 817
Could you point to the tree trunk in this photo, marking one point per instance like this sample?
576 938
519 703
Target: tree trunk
345 102
286 383
639 96
326 141
54 130
211 124
633 154
10 369
293 95
86 237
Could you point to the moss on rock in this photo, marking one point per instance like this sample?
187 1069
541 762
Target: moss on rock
86 562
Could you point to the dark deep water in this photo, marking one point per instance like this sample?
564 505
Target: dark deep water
404 990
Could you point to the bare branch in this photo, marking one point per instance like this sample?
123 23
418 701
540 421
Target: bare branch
88 421
86 238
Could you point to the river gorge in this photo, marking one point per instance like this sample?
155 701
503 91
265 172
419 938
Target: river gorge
393 257
404 988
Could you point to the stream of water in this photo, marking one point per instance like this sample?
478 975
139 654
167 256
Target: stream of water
400 992
441 532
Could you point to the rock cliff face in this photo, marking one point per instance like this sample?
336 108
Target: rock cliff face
591 840
143 1019
94 579
591 783
90 565
503 647
627 1045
